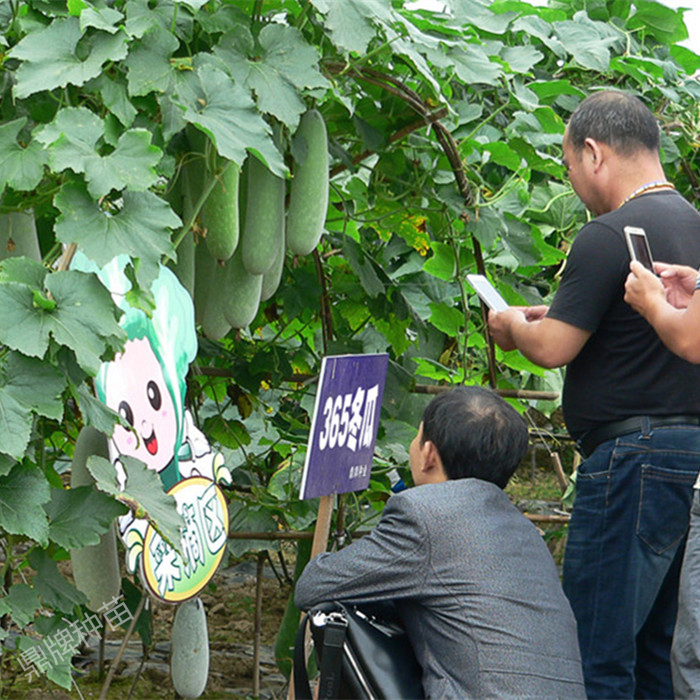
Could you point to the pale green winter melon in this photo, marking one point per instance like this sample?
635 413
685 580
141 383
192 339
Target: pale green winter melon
189 656
273 277
263 231
96 567
308 193
209 294
184 266
18 236
240 293
182 198
220 212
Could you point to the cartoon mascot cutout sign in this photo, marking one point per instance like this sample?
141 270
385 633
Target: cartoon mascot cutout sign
145 384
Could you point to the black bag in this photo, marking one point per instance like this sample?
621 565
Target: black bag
359 655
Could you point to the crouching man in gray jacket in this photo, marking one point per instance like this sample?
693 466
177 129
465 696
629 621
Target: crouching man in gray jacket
469 575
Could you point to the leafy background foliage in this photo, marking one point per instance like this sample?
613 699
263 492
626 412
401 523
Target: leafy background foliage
445 133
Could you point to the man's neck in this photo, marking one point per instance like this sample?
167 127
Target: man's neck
630 178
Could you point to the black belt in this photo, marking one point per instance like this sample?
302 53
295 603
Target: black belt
595 437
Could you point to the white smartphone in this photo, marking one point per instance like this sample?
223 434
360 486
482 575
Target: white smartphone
487 292
639 246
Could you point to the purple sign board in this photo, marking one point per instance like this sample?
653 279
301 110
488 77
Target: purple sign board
344 424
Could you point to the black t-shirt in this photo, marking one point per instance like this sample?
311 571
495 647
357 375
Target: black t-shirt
624 369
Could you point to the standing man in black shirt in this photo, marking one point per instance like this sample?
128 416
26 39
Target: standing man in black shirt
633 405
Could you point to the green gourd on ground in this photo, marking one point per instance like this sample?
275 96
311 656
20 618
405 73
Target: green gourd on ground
263 230
95 567
308 194
240 293
219 214
189 656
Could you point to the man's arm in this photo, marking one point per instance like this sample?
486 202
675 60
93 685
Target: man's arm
678 328
388 564
544 341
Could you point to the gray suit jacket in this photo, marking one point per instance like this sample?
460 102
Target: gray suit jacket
475 586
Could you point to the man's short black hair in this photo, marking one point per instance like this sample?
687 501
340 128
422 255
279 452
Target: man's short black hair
617 119
477 434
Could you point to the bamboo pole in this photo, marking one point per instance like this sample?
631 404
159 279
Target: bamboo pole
258 625
505 393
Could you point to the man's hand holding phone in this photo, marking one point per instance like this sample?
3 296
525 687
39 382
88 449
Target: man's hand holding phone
501 326
643 289
679 281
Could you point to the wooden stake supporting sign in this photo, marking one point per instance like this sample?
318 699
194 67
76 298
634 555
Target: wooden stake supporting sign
341 440
322 530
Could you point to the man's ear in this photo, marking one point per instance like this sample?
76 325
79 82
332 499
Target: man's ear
432 462
594 151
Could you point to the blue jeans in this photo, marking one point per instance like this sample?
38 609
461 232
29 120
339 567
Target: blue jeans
623 556
685 652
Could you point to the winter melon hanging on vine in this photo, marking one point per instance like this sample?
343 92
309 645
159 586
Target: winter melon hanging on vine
240 292
308 194
263 230
95 567
210 293
220 211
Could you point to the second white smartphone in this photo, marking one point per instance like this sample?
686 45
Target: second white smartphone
638 246
487 292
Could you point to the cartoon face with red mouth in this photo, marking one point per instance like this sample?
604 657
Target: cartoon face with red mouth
135 387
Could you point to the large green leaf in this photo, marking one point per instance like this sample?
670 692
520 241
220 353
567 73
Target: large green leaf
473 65
23 492
442 262
6 464
27 387
143 15
364 268
56 665
79 516
73 307
396 331
447 319
116 99
351 23
140 228
20 603
148 63
55 590
20 167
663 23
521 59
480 15
226 112
250 517
94 411
549 90
502 154
51 59
104 18
143 493
518 239
283 66
687 59
73 139
587 41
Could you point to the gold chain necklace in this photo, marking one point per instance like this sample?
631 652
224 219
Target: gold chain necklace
649 187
